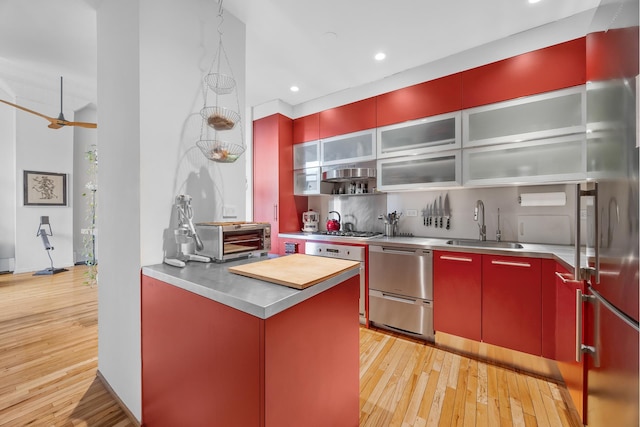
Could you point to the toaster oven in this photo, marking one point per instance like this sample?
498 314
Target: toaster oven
224 241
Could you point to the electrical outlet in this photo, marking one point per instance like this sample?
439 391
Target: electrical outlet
229 212
412 212
583 214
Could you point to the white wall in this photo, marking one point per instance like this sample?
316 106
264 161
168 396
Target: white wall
149 94
7 184
119 207
39 148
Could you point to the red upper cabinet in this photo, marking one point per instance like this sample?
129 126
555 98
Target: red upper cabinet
427 99
511 303
543 70
348 118
612 54
273 199
306 128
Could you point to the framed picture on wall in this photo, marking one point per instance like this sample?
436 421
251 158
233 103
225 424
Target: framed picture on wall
45 189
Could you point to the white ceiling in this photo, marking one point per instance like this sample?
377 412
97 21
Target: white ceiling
321 46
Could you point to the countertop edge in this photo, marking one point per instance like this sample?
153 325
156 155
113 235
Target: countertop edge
565 255
266 311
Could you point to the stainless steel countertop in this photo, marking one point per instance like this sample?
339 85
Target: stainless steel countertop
255 297
561 253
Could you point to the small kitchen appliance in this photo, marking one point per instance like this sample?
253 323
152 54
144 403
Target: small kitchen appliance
187 240
333 224
224 241
310 220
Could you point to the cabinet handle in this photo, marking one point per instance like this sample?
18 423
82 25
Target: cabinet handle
511 264
455 258
397 299
275 212
564 279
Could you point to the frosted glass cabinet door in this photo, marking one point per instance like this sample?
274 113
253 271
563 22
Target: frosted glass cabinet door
534 117
352 147
431 134
306 181
306 155
611 140
552 160
416 172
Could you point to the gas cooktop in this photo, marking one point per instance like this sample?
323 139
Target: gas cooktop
360 234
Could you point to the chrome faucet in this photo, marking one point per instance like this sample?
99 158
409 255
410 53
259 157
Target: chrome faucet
483 228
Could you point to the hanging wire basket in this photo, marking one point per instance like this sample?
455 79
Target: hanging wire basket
220 83
220 118
220 151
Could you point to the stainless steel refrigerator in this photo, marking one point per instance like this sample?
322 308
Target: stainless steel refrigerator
608 334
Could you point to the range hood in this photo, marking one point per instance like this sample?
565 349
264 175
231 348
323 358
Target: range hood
348 174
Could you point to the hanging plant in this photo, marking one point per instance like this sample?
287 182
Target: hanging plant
89 239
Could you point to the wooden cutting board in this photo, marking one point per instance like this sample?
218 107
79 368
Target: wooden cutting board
295 271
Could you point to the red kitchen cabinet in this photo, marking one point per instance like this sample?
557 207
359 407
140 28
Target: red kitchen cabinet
457 294
574 373
543 70
549 307
273 199
354 117
511 303
427 99
306 128
208 364
608 54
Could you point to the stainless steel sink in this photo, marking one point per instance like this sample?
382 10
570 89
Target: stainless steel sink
485 244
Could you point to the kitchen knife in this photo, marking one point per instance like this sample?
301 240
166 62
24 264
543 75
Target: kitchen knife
436 210
430 214
441 212
447 210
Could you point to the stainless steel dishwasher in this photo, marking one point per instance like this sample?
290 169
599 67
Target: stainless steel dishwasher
401 289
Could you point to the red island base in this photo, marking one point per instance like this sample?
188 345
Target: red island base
207 364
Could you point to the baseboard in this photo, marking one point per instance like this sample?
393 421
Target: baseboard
126 410
7 264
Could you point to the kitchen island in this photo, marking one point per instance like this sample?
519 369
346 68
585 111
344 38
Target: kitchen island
224 349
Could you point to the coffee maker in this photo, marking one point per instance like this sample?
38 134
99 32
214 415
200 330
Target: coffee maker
187 240
310 220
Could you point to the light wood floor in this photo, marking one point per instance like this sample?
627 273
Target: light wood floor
404 382
49 353
48 363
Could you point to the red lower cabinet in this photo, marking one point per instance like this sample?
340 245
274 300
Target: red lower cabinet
207 364
457 294
511 303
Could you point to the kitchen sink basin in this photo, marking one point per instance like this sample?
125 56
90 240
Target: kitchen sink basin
485 244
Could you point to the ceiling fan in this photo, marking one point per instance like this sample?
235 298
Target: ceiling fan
55 123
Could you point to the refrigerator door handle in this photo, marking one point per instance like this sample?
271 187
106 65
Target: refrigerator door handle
585 273
580 347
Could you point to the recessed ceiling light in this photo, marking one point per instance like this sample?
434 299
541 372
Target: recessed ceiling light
533 1
294 88
380 56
